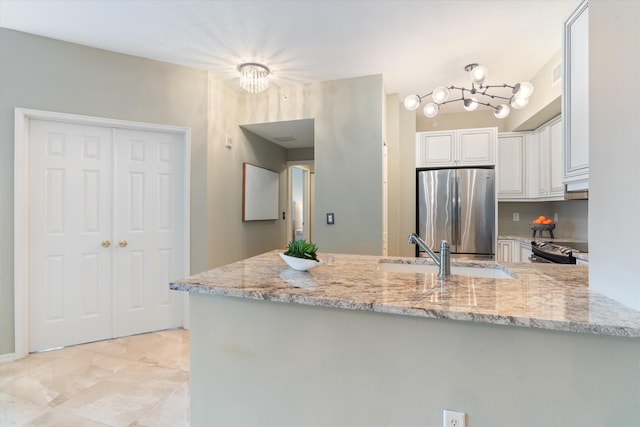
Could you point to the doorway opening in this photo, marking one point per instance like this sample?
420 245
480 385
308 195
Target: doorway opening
300 200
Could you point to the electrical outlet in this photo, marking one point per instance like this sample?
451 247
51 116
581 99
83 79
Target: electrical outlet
453 418
516 216
555 217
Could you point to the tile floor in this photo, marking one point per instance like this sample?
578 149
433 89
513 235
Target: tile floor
135 381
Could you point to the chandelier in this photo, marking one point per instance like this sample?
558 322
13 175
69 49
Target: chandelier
471 98
254 77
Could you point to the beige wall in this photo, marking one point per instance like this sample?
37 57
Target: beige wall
614 149
45 74
544 104
41 73
348 123
463 120
228 238
572 217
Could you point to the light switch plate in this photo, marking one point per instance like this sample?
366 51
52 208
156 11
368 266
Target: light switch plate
516 216
330 218
228 141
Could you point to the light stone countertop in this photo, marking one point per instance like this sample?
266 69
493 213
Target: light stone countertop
546 296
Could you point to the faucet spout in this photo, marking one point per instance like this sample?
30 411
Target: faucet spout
444 261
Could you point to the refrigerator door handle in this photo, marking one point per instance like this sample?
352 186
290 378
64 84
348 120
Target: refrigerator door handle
458 214
455 210
453 187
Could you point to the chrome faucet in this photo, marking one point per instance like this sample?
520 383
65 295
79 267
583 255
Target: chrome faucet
444 262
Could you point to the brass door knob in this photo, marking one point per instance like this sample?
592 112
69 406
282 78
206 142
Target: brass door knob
106 243
123 243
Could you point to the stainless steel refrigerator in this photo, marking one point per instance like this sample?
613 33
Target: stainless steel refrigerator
457 205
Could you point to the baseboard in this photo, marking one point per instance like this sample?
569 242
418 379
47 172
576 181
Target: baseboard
7 357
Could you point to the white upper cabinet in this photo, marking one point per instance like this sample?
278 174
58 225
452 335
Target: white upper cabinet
575 98
512 165
548 139
529 166
464 147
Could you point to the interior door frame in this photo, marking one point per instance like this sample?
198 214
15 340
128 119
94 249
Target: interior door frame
21 205
309 196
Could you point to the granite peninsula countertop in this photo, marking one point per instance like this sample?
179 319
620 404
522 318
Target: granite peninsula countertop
546 296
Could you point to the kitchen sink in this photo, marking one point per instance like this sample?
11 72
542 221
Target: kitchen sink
490 271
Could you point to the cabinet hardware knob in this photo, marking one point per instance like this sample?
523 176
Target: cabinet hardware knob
106 243
123 243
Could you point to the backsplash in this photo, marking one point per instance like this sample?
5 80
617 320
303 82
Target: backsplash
572 217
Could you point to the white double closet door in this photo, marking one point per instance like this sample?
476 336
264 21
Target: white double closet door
106 232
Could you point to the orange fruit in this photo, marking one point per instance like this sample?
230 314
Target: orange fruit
542 218
547 221
537 221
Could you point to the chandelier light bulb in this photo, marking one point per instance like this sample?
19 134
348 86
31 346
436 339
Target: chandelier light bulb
440 94
412 102
523 90
501 111
470 104
478 74
518 103
431 110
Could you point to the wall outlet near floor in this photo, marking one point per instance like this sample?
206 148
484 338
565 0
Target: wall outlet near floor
453 418
555 217
516 216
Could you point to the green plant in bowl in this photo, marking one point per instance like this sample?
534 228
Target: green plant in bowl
302 249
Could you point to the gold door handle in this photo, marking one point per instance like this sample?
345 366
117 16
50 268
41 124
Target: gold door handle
122 243
106 243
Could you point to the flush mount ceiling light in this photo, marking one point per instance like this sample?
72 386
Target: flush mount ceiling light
471 98
254 77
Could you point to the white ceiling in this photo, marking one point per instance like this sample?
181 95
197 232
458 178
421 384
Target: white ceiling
415 44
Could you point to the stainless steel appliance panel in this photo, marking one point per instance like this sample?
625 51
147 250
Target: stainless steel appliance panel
435 206
476 211
457 205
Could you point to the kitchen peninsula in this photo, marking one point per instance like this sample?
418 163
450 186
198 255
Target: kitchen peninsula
350 343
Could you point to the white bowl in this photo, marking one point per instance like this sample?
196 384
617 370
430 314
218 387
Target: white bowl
300 264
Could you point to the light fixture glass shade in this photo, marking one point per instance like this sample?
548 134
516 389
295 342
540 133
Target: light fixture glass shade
501 111
412 102
523 90
518 103
254 77
431 110
470 104
478 74
440 94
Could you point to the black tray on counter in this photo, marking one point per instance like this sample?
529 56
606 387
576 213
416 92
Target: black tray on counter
543 227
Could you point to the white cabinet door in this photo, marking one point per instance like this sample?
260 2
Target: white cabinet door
465 147
546 153
575 95
556 176
505 250
477 146
511 166
524 252
435 148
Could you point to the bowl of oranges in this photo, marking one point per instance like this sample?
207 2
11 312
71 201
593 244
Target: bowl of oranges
541 224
